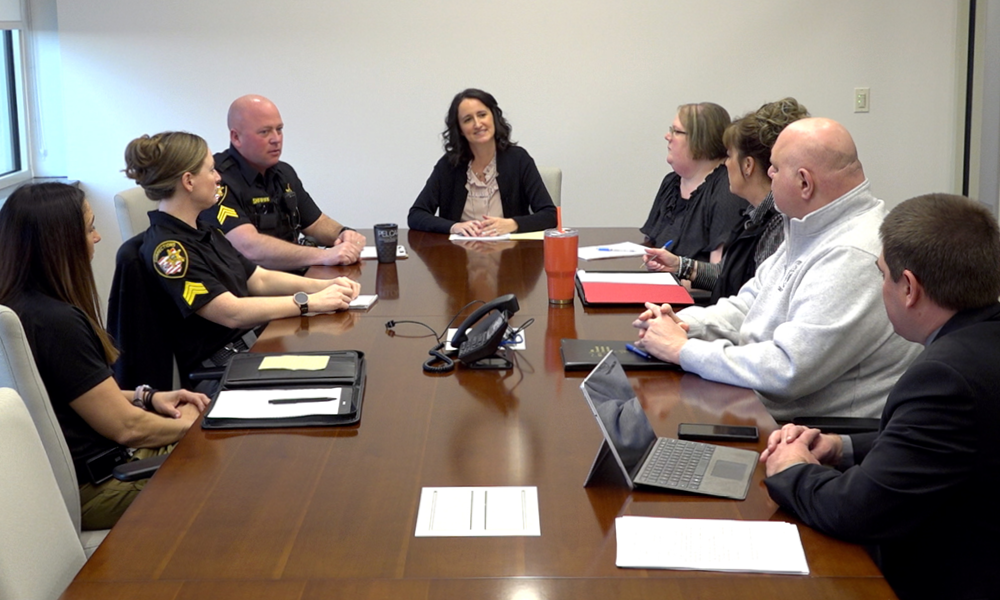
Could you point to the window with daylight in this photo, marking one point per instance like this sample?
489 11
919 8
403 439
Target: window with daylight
11 104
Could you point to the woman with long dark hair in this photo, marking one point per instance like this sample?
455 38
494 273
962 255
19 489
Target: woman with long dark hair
47 238
485 184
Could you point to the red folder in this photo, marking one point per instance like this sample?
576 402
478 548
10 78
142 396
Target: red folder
593 292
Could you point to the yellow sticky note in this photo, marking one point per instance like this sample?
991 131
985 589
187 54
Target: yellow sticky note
294 362
531 235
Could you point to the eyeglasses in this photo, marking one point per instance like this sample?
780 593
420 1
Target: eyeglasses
674 131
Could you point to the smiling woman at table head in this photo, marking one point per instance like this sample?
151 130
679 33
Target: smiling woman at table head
485 184
47 238
694 211
219 293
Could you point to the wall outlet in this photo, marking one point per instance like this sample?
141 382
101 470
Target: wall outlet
862 99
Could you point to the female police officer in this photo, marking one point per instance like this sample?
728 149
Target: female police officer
219 293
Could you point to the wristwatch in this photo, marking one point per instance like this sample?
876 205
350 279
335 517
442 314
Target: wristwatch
302 300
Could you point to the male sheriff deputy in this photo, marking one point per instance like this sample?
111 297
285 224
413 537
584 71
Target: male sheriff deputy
263 206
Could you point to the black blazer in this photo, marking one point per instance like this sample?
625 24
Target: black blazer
925 488
522 194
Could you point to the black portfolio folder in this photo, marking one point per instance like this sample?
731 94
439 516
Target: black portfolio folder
344 371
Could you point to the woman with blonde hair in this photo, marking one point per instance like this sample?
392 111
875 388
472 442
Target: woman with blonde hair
748 142
220 294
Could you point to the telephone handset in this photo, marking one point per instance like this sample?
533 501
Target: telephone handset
486 335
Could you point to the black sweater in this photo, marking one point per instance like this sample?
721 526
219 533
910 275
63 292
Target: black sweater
522 194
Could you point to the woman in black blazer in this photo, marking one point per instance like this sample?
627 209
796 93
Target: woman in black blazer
484 185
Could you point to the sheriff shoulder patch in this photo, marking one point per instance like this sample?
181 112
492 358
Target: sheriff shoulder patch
224 213
193 290
171 260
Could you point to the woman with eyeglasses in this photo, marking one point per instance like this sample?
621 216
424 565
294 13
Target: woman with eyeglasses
47 238
694 211
748 142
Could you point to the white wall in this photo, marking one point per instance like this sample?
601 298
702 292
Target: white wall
588 85
45 108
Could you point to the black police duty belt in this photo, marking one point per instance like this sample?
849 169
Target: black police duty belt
220 357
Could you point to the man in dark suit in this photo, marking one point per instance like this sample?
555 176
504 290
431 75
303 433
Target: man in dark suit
924 491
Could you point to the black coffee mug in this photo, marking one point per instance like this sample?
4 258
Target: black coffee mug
386 240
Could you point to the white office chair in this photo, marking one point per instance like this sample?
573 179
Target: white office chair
552 178
18 371
41 552
131 206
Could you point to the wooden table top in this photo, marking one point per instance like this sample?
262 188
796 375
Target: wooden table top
330 512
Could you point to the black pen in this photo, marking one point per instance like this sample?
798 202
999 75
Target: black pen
299 400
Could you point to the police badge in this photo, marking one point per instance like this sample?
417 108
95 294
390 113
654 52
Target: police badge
171 260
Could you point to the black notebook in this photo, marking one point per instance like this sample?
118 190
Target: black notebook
256 393
583 355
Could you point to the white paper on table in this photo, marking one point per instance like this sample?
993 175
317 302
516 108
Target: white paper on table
363 302
473 238
369 252
253 404
619 250
710 545
478 511
521 345
630 277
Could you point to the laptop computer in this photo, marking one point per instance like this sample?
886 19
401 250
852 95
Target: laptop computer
652 462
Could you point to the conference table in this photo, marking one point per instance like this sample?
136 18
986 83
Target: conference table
330 512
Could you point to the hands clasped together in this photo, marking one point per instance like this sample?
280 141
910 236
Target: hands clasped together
795 444
346 249
485 227
174 404
661 332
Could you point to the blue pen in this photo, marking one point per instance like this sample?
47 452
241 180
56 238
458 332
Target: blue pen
668 244
639 351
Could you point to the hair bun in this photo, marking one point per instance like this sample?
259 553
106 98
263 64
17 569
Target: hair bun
140 154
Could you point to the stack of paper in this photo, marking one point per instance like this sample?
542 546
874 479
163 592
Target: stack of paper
276 404
364 301
710 545
484 238
478 511
623 249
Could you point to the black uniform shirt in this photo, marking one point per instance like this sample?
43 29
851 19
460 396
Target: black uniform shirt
70 361
194 266
274 202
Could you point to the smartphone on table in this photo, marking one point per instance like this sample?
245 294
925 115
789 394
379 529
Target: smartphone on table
710 432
